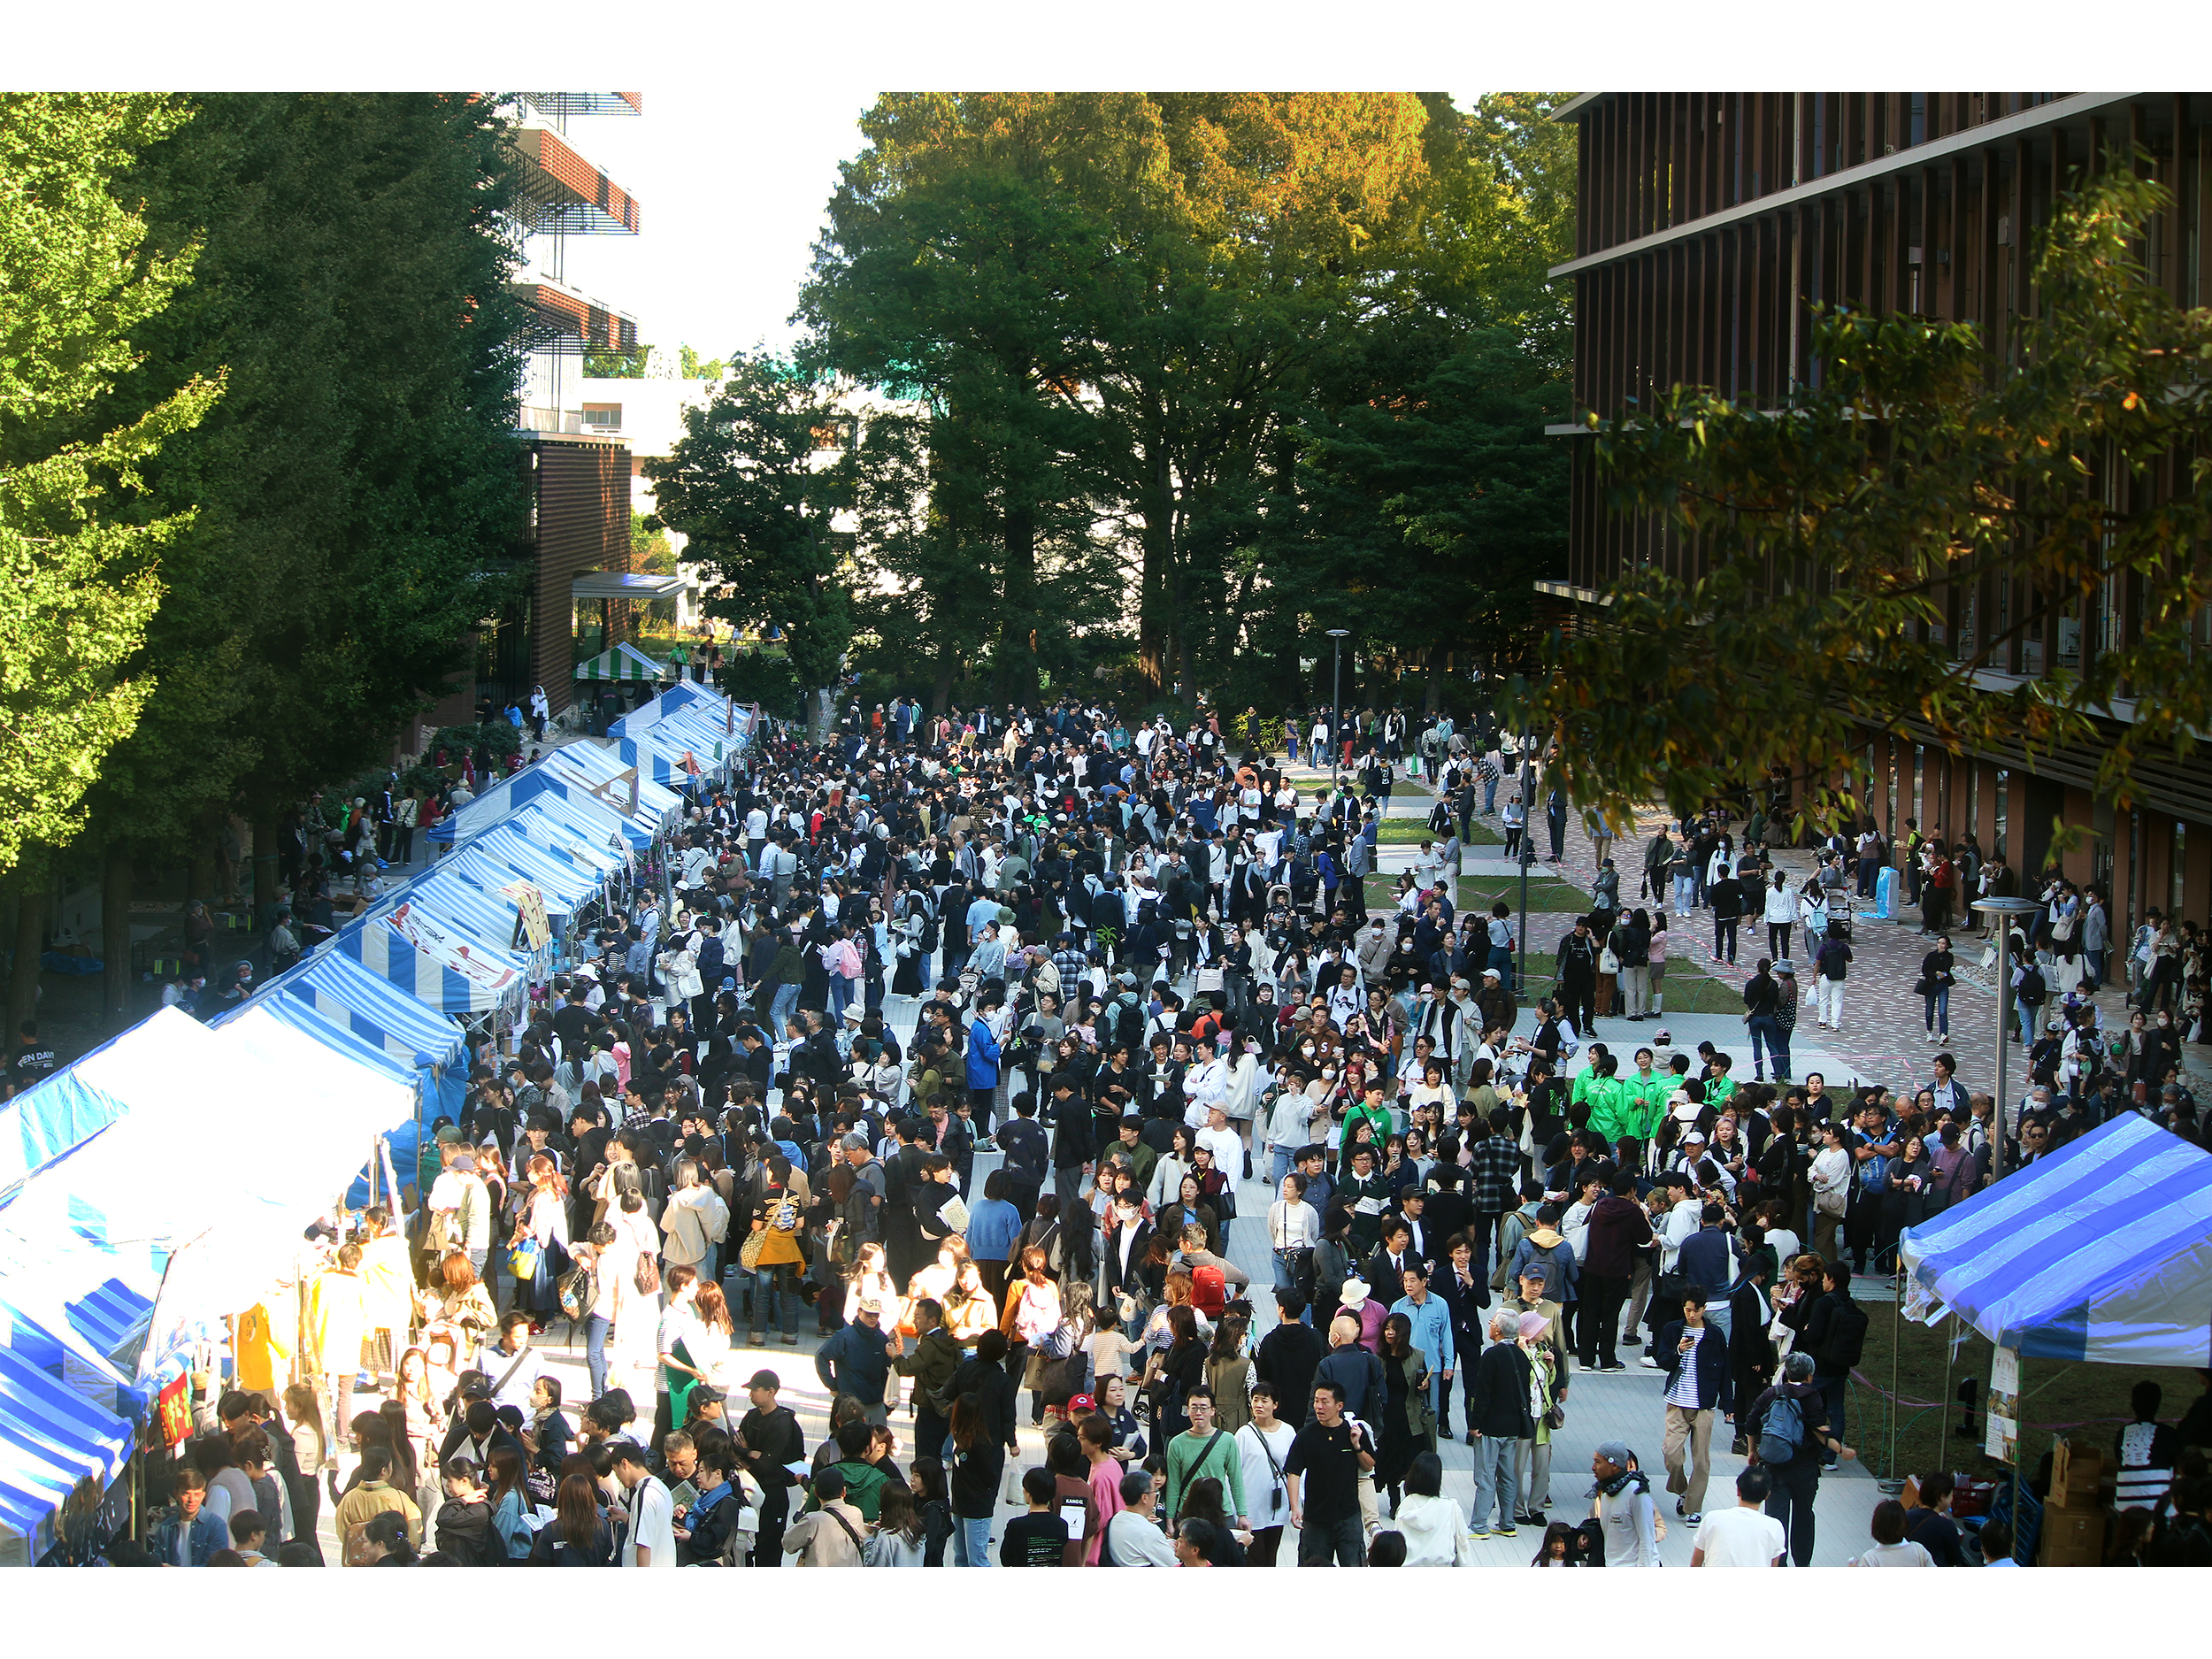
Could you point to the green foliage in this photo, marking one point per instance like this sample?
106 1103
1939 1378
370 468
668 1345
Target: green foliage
80 558
694 368
1233 331
1850 548
755 499
358 490
765 678
618 365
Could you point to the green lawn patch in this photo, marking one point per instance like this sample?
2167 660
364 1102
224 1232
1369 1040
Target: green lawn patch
1920 1404
1411 831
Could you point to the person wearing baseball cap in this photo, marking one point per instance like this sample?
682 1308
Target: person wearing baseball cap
1624 1508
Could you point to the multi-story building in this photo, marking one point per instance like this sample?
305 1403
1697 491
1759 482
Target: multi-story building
577 542
1710 222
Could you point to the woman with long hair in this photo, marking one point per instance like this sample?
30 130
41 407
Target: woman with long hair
1229 1374
1202 1500
1408 1427
974 1460
543 1220
508 1500
578 1534
712 1336
968 1307
1032 1313
1174 1372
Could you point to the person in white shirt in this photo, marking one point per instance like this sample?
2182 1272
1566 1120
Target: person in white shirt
652 1538
1222 1141
1891 1547
1206 1086
1746 1536
1134 1537
1263 1444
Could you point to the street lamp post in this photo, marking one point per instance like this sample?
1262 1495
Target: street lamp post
1528 849
1336 702
2001 912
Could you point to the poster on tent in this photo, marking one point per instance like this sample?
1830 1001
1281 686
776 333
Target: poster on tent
530 912
449 951
2002 1440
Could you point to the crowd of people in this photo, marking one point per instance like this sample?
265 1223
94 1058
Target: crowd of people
963 1045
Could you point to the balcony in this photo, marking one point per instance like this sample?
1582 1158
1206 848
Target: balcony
570 322
561 191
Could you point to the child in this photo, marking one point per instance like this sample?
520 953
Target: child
1039 1538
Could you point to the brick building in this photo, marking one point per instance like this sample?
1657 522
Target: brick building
1708 222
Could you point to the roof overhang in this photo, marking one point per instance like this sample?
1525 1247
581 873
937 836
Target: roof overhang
623 585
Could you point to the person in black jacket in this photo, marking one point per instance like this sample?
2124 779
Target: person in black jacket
1499 1417
1072 1150
1289 1354
769 1439
1835 1335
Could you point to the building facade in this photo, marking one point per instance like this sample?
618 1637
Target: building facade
1708 225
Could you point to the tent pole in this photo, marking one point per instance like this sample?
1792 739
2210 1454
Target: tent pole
1896 1339
2019 1434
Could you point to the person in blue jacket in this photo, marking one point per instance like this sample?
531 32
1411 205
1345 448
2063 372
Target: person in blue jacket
188 1534
983 1057
1431 1317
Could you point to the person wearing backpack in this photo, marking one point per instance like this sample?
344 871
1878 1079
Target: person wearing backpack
1835 1336
1786 1428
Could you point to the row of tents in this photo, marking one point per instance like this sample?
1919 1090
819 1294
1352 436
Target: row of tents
162 1183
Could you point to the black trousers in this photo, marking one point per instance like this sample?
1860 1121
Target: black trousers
1791 1503
1603 1299
1725 939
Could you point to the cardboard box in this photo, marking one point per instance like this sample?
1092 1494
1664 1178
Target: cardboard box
2073 1537
2075 1468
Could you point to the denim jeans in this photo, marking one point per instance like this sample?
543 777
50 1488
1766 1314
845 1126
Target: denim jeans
784 1004
1278 1165
971 1540
783 1281
841 996
1938 1004
1685 894
1766 1027
595 1329
1497 1480
1489 796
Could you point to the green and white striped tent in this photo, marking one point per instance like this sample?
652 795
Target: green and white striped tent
623 663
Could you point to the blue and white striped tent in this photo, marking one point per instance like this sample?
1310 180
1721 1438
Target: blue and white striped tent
496 860
2101 1251
414 945
574 843
594 767
662 764
346 995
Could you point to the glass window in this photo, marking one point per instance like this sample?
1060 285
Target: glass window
2004 801
2175 884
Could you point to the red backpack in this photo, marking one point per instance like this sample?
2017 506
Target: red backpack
1209 1291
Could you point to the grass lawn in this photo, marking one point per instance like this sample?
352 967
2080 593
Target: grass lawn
1478 893
2075 1400
1681 992
1410 832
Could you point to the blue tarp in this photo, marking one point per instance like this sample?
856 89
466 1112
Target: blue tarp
2101 1251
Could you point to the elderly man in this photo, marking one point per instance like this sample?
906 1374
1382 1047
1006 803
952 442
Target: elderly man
1499 1417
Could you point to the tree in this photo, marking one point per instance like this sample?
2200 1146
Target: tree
79 559
694 368
359 491
1881 551
754 488
618 365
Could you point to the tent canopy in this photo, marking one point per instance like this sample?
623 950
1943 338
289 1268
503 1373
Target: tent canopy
340 990
624 663
536 782
2101 1251
446 966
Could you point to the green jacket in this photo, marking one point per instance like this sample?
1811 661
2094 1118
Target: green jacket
863 1489
1609 1113
931 1365
788 968
1644 1102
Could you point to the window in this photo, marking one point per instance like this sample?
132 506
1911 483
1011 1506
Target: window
2004 801
2174 883
602 417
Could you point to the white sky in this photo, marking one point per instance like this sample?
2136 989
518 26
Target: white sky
749 107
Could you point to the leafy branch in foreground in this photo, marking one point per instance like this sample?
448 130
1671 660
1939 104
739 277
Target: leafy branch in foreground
1848 557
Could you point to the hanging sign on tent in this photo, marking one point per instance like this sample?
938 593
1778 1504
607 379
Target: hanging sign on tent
530 905
604 792
455 955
